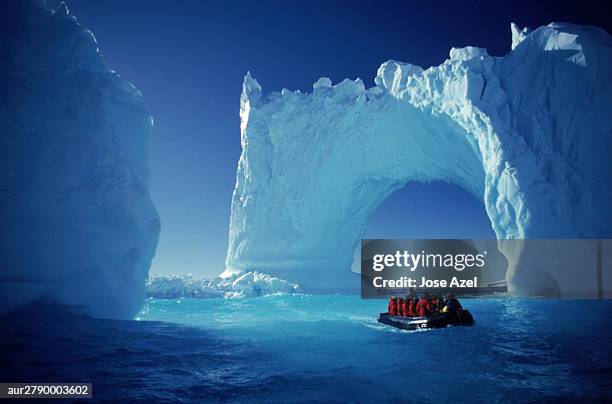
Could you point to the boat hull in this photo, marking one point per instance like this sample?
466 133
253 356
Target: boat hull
441 320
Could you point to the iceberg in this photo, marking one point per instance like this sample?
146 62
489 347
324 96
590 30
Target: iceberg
77 223
237 285
528 134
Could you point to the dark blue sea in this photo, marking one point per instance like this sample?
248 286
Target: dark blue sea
317 348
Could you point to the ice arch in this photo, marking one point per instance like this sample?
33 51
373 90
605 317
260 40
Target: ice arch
526 133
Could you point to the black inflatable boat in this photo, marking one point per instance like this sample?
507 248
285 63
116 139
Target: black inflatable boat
441 320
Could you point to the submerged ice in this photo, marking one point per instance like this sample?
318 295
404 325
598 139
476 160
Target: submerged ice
76 220
528 134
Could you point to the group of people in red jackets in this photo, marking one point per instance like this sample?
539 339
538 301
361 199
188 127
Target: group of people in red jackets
425 306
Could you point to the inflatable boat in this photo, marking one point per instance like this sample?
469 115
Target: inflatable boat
441 320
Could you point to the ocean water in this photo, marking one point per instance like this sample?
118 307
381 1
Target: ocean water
318 348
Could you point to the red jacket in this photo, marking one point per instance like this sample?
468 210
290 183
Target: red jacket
392 307
424 308
413 310
402 308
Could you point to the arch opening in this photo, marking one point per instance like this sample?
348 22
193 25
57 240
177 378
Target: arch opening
433 210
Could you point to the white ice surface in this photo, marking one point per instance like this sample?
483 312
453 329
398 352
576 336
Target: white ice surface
250 284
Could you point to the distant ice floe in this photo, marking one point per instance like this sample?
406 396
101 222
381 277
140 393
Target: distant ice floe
249 284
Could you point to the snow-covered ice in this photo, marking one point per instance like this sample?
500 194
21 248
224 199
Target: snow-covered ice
76 220
238 285
528 133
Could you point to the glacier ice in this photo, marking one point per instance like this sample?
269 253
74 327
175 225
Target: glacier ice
237 285
77 223
528 134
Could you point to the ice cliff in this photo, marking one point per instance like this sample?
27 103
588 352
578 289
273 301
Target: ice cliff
528 133
250 284
76 220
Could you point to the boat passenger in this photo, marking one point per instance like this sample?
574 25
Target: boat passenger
408 305
415 306
400 303
434 303
392 306
452 304
403 310
425 307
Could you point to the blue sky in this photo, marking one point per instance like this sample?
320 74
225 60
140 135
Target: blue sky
189 58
